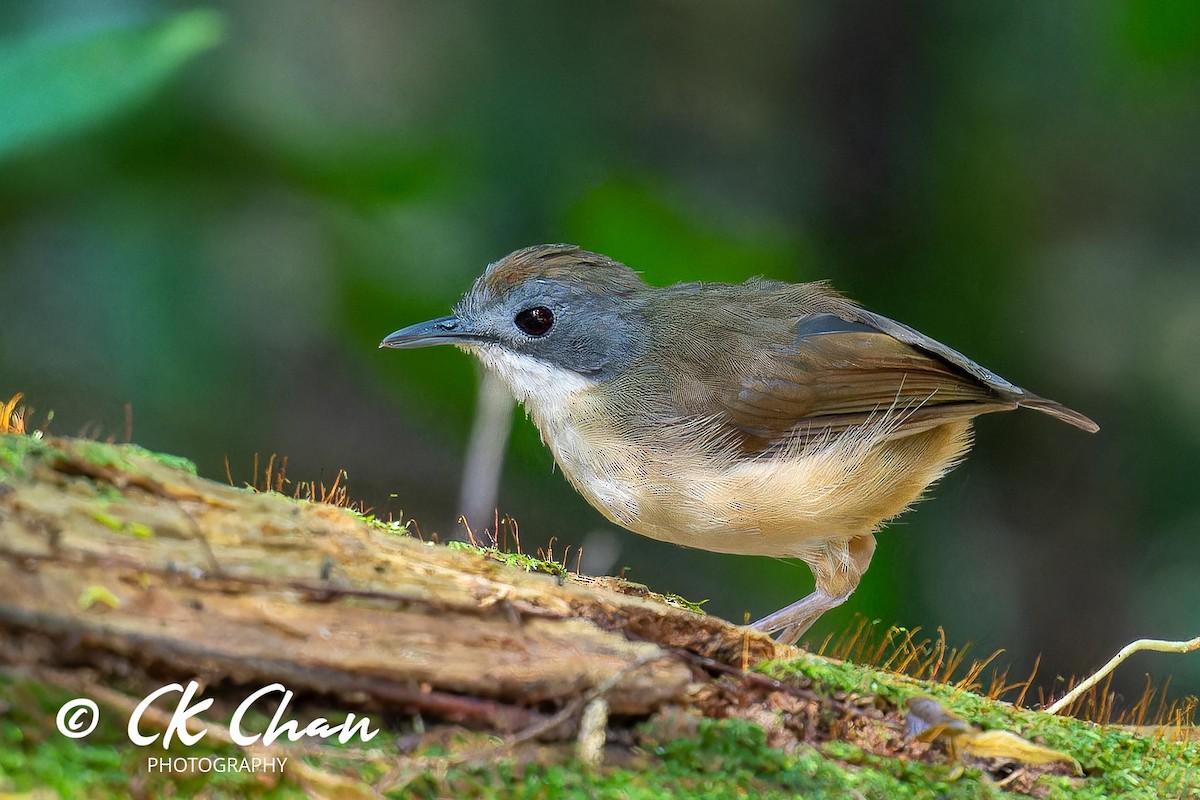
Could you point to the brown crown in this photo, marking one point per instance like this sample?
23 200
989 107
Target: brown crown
559 262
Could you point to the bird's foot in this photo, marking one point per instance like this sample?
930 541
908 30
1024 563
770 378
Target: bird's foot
792 621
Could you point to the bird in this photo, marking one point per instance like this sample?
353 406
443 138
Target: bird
761 418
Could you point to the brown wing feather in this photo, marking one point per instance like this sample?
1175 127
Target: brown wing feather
1022 397
787 365
838 380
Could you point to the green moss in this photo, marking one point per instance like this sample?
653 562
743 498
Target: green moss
731 758
1117 761
844 676
174 462
397 527
15 448
34 755
101 454
96 594
715 759
138 529
119 456
726 758
108 493
107 520
682 602
534 564
518 560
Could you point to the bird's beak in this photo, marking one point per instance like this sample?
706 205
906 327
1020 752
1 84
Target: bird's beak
443 330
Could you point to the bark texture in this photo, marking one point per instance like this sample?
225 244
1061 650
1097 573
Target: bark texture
111 557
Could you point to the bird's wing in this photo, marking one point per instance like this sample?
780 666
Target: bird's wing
784 366
837 374
1005 389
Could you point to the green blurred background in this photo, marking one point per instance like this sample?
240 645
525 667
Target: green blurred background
214 215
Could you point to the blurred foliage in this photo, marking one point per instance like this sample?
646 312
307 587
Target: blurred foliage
215 216
52 87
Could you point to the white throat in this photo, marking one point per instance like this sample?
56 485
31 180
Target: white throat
544 388
562 405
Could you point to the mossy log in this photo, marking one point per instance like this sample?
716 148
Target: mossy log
121 570
108 551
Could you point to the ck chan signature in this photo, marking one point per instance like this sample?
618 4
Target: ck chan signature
79 717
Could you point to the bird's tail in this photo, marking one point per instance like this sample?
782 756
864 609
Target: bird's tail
1058 411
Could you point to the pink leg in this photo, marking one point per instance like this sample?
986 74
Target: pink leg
837 569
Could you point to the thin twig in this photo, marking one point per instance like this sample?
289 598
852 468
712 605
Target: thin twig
572 708
1157 645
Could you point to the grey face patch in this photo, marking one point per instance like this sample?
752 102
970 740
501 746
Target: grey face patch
592 333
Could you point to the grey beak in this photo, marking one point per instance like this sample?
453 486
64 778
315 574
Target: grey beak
443 330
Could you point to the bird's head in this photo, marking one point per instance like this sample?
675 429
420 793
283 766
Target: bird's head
549 307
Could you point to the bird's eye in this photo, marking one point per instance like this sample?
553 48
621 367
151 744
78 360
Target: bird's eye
535 321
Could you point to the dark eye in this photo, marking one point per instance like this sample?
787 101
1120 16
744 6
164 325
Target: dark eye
535 321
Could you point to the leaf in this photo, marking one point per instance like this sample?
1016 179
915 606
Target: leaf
930 721
52 87
1005 744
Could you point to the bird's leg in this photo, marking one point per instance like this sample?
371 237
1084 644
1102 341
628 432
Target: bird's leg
837 568
792 621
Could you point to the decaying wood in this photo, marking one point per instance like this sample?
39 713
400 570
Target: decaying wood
108 554
120 574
